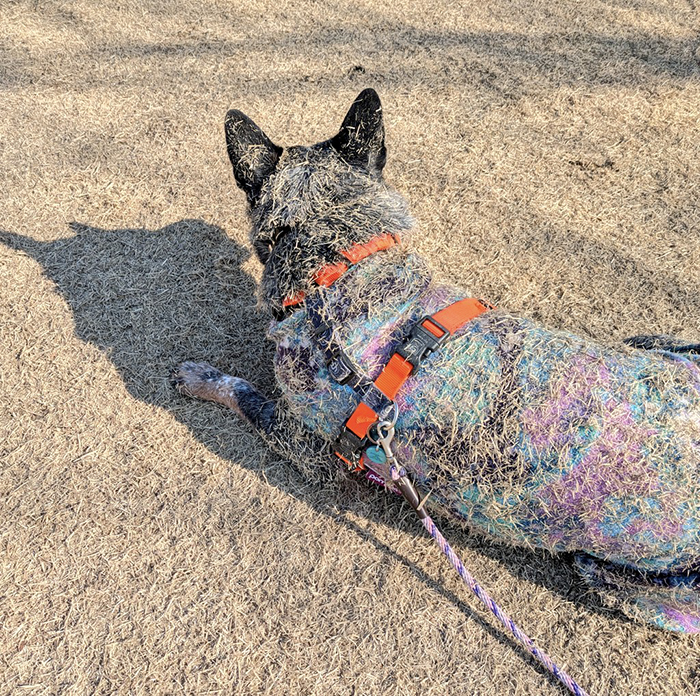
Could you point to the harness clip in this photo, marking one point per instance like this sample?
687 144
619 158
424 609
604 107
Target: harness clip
421 342
340 368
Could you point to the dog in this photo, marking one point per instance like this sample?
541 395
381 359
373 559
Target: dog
532 436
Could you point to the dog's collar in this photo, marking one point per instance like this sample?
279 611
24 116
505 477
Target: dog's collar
328 274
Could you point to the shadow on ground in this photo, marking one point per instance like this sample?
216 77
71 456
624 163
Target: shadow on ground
150 299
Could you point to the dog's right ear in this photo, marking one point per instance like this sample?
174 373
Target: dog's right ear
360 140
253 155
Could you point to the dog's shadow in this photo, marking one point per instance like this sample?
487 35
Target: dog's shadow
151 299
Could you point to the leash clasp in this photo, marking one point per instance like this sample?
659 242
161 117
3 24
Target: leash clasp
385 432
382 433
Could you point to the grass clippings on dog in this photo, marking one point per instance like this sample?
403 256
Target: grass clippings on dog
151 545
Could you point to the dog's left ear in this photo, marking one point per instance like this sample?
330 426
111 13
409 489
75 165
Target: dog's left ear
360 141
253 155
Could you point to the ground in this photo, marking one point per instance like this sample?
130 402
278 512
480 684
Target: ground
150 544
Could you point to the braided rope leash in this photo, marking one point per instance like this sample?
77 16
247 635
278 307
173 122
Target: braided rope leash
486 599
384 435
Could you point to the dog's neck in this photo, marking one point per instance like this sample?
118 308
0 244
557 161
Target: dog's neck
329 273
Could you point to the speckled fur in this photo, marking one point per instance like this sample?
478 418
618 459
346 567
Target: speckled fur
532 436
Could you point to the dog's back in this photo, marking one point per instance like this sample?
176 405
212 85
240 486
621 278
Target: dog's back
535 436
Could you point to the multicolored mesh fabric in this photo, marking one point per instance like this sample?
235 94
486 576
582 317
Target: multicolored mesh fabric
532 436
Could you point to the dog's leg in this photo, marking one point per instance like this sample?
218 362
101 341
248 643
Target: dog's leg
271 419
658 342
669 601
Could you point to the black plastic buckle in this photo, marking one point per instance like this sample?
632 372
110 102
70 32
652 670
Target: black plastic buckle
421 342
340 368
348 446
376 399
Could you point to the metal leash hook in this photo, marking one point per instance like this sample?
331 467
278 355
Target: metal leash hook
385 432
382 434
380 458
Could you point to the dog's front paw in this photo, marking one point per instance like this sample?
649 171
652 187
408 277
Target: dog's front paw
202 381
191 378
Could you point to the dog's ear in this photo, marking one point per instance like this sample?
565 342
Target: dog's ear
360 140
253 155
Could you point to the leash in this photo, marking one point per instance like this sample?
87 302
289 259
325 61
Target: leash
382 461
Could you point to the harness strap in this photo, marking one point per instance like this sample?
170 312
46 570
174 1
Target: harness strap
425 337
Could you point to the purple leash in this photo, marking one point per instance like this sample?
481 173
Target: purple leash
385 435
484 596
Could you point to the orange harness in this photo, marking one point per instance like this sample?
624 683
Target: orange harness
425 337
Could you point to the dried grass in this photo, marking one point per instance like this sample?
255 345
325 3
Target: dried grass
152 545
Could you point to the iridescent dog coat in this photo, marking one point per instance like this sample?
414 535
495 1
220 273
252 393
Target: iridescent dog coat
533 436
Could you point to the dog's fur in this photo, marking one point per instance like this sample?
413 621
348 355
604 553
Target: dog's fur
533 436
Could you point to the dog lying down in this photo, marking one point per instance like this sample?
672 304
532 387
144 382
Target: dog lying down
532 436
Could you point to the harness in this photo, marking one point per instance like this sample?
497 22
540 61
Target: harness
376 397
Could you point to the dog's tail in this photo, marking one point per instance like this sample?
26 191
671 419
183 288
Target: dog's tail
668 343
668 601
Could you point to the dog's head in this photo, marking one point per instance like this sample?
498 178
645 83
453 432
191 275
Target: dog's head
309 203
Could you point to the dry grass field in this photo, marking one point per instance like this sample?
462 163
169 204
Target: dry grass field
150 544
